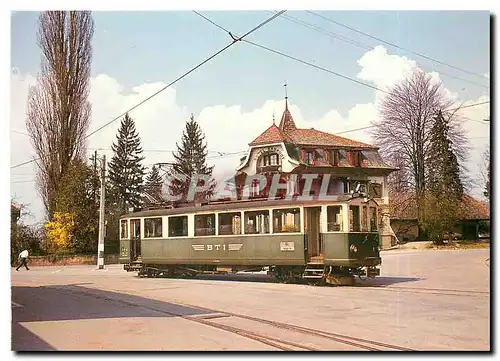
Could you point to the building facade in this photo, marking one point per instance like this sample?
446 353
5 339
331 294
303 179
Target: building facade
309 162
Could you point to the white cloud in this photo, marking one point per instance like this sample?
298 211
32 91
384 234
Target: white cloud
161 120
383 69
22 178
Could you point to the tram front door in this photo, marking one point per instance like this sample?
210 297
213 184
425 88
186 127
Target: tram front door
312 230
135 247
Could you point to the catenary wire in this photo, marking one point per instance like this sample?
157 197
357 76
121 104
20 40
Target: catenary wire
190 71
358 44
234 40
314 65
210 157
397 46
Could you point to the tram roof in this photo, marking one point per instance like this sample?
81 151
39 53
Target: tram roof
233 205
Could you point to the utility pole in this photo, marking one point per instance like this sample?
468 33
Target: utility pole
100 248
95 171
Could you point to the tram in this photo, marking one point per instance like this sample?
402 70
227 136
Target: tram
328 241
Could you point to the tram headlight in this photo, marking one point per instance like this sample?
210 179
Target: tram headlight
353 248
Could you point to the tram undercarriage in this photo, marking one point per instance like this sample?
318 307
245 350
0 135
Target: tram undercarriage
314 274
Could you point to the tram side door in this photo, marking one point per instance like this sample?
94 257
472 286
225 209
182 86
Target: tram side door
312 218
135 229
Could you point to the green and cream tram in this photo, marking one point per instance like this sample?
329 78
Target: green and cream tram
315 240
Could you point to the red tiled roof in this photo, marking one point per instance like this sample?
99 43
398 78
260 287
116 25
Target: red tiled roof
288 132
273 134
318 138
403 206
471 208
287 124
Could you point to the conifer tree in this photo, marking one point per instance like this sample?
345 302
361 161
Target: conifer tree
126 171
444 171
444 186
153 186
190 160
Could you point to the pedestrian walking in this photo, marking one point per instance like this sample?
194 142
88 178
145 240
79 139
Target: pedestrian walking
22 259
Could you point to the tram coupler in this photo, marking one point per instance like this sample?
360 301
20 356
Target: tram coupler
372 272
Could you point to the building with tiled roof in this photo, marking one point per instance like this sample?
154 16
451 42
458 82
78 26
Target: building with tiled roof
273 134
292 152
403 214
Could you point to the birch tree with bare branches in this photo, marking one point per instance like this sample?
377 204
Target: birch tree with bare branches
407 115
399 181
58 115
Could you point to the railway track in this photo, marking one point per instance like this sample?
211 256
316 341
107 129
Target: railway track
425 290
280 335
355 342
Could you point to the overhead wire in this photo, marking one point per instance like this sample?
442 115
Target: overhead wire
358 44
473 105
397 46
234 40
211 157
298 60
344 76
23 181
316 66
458 108
311 64
18 132
331 72
164 151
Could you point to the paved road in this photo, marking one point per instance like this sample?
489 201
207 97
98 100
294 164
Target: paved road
423 300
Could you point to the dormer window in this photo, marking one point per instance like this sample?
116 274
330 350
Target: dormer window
356 158
309 157
334 160
269 159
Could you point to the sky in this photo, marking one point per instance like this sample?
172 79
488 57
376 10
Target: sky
235 95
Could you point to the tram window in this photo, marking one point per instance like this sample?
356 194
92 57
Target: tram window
334 218
153 227
229 223
124 229
354 219
373 219
365 220
178 226
204 225
135 228
256 222
286 220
